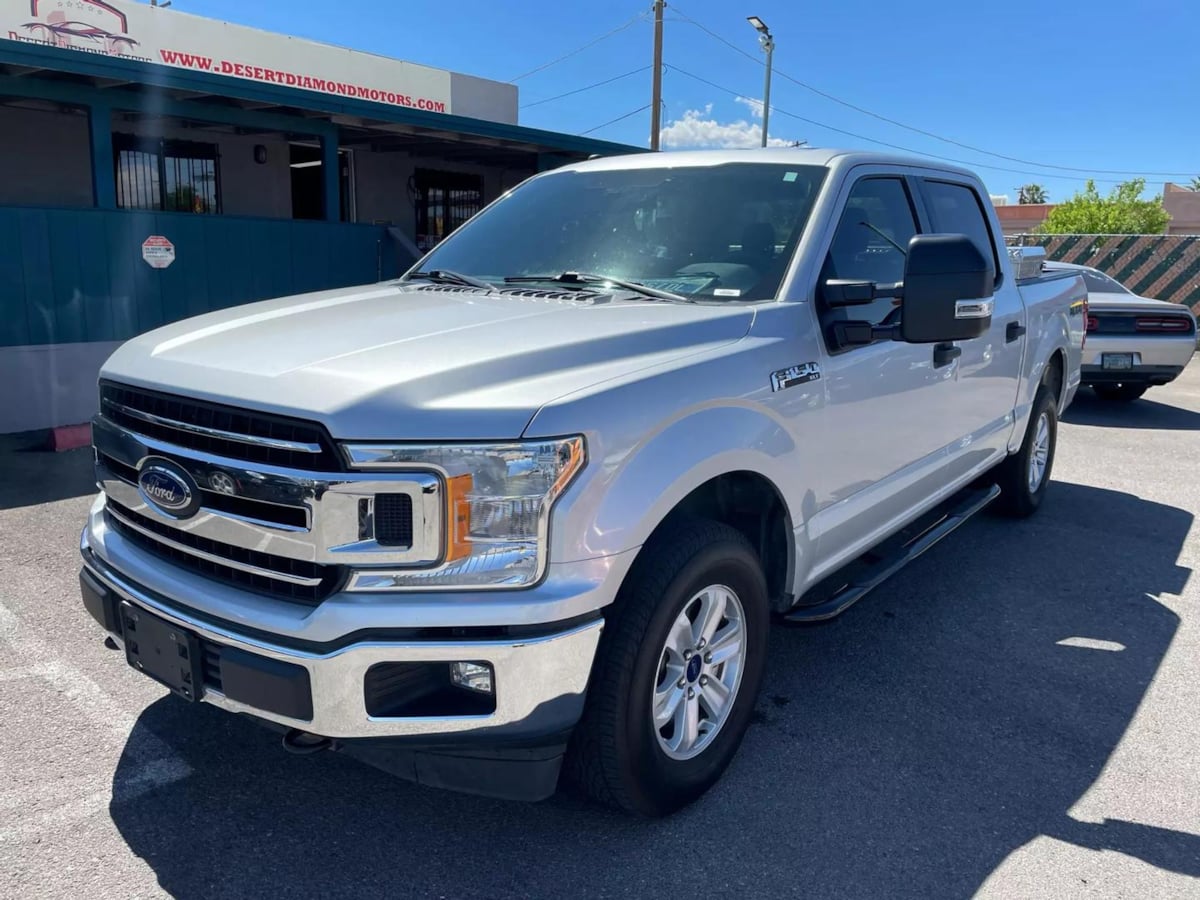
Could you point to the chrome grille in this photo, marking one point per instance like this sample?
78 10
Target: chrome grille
222 430
288 533
288 515
279 576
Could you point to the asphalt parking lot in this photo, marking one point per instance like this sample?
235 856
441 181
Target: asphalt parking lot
1017 714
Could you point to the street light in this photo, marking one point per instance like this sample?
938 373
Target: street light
768 44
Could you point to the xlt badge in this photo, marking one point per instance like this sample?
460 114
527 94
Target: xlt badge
794 375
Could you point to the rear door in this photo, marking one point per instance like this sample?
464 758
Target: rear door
990 366
888 418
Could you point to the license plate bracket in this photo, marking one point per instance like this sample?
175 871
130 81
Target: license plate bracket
1117 361
169 655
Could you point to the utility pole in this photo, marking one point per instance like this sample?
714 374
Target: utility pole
656 98
769 46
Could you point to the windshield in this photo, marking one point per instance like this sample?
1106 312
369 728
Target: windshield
720 232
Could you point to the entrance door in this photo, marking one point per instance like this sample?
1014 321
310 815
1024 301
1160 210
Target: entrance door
308 183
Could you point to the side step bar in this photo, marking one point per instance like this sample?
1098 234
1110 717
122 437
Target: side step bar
845 587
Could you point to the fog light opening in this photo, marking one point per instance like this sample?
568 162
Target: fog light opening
472 676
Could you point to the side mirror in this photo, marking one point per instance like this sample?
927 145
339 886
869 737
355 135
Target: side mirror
947 290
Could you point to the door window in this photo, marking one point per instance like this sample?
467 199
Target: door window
955 209
870 243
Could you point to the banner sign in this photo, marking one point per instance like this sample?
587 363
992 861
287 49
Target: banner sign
168 37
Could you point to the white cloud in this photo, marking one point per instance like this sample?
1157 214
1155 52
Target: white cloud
699 128
755 106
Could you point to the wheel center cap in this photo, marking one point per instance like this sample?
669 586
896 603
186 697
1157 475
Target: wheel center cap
693 668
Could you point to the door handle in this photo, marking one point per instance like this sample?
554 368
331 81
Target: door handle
1014 331
944 354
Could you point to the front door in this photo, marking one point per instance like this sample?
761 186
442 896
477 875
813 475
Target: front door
887 426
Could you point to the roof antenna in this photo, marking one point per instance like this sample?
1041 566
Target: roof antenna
160 5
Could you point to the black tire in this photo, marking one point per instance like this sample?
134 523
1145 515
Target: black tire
1119 393
615 757
1016 498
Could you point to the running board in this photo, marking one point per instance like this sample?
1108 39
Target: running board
845 587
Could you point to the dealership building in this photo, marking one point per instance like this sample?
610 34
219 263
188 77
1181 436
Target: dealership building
156 165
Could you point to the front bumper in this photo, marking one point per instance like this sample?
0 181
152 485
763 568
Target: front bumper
539 680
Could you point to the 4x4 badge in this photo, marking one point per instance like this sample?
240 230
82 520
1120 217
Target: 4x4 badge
794 375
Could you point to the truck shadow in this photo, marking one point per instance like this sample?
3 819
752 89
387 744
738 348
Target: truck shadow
1088 409
31 475
905 749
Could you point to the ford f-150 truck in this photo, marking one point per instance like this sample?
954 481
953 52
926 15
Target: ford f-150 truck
529 509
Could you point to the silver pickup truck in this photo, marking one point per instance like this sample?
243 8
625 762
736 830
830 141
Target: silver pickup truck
530 509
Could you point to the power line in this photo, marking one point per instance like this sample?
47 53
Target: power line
593 42
633 112
863 137
587 87
866 112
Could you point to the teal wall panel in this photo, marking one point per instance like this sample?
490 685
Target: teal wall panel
14 317
73 275
38 285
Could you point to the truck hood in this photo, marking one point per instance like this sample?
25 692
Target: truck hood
417 362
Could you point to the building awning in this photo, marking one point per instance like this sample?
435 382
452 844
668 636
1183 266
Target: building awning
60 75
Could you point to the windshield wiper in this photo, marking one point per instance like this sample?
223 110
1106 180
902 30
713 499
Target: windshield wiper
445 276
591 278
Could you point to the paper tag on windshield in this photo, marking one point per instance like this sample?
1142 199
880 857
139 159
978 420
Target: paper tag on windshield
789 176
727 292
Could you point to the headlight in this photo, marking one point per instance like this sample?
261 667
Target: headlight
498 500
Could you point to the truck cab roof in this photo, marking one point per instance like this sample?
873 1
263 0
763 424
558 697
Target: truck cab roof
831 158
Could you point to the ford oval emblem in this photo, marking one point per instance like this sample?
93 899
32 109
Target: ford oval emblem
168 487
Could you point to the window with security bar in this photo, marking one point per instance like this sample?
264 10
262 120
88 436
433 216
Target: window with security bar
444 200
175 176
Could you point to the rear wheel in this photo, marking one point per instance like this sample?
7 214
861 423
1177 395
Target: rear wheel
1024 475
1119 393
677 673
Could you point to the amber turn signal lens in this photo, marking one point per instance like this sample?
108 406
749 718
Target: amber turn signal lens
458 517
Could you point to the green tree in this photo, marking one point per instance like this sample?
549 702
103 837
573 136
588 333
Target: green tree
1195 185
1031 193
1122 212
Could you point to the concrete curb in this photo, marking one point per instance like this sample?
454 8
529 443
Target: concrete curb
70 437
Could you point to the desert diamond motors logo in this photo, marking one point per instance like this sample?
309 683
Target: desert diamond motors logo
90 25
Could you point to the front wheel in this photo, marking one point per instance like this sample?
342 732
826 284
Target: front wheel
1119 393
1023 477
677 673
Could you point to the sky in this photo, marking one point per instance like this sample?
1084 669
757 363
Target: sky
1065 90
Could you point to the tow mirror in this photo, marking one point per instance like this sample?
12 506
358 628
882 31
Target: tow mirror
947 293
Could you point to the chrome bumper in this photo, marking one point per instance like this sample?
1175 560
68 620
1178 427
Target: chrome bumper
539 682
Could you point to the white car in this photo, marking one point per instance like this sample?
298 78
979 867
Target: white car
1133 343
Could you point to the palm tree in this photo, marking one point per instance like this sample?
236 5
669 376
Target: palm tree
1032 193
1195 185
